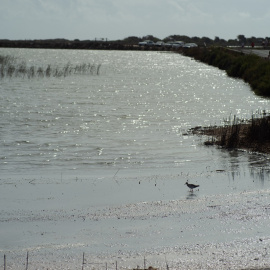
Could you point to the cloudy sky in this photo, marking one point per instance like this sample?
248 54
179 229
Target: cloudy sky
118 19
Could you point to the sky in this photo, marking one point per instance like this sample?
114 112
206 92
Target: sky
119 19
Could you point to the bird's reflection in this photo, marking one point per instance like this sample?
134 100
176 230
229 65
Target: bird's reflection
191 196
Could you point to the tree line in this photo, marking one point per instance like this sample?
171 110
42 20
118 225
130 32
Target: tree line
130 43
238 41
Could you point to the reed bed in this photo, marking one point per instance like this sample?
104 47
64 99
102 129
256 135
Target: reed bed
252 135
11 68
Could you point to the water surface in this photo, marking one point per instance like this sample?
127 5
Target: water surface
97 163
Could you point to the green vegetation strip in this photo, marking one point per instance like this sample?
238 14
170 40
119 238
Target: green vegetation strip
253 69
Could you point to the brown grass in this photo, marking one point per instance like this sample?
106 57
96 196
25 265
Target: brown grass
252 135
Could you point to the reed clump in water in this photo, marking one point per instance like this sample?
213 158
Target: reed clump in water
10 68
252 135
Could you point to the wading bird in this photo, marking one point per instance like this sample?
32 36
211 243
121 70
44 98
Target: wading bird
191 186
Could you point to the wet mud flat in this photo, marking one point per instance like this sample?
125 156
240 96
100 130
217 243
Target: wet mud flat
56 223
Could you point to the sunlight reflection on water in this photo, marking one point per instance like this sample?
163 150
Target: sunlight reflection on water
98 163
136 110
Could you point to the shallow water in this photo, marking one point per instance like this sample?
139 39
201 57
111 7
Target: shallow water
97 164
132 115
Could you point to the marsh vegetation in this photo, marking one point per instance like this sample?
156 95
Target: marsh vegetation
253 69
10 67
252 135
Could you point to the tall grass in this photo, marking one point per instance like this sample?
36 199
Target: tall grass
253 135
259 129
11 68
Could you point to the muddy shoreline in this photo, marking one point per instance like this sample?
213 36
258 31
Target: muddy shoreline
221 226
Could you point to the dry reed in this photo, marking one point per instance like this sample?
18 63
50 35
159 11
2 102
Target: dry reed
11 68
252 135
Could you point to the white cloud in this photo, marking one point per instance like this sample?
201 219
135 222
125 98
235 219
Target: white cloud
244 15
115 19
